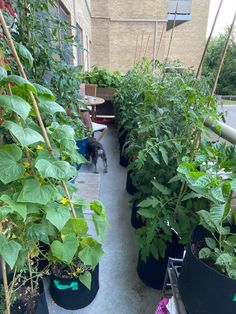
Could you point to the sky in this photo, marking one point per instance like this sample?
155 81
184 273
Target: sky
225 17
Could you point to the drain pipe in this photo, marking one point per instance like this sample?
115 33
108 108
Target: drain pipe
226 132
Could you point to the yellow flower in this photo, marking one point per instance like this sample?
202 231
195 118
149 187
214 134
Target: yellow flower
13 236
74 274
64 201
27 165
27 174
39 147
79 270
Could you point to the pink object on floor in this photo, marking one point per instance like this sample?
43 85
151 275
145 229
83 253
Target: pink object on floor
161 308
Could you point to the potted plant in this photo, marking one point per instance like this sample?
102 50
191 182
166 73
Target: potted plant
210 258
106 81
75 256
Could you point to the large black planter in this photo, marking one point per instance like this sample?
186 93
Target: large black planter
41 307
71 294
152 272
130 188
124 161
203 289
136 220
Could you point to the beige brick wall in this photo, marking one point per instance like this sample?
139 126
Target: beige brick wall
189 38
144 9
113 42
80 15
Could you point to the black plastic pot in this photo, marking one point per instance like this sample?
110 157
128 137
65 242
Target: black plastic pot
41 307
152 272
130 188
203 289
124 161
71 294
136 221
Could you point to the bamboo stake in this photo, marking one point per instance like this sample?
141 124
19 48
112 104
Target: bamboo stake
136 50
223 55
141 47
34 102
208 40
147 45
159 46
5 282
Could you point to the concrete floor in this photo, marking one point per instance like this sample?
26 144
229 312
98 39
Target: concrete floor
121 291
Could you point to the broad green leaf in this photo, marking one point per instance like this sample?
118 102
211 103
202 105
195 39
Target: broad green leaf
217 213
44 92
19 208
15 104
97 207
57 169
63 132
204 253
231 270
217 194
25 136
100 224
149 202
185 167
19 81
154 157
202 182
24 54
147 212
160 187
206 220
65 251
75 225
3 73
34 192
9 250
86 279
164 154
58 215
191 195
50 107
4 211
224 259
37 232
211 243
10 169
91 252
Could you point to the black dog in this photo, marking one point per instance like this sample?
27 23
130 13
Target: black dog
95 150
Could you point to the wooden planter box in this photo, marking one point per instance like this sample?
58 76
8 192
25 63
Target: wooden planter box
106 92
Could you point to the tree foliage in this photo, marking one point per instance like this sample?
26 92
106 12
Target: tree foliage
227 80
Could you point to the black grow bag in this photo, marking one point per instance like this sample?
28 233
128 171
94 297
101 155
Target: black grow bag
41 306
130 188
136 220
203 289
152 272
71 294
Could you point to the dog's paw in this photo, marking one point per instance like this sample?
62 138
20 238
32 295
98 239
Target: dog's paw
96 171
105 171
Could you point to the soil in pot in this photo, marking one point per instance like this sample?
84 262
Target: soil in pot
152 272
136 220
26 301
70 293
130 188
203 289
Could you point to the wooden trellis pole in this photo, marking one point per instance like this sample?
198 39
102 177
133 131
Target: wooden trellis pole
159 46
141 47
172 33
136 50
149 35
208 40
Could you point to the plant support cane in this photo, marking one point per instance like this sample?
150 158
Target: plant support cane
34 102
5 283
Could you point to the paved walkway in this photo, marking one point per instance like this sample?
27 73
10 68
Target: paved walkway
121 291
